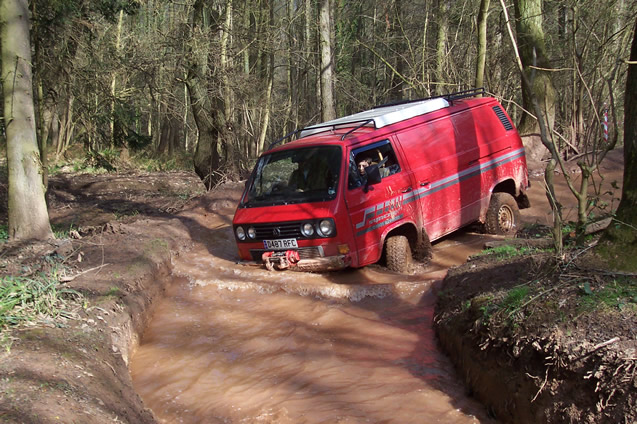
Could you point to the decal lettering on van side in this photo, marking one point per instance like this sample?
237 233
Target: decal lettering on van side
385 213
375 213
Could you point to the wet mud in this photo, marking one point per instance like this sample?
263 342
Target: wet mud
239 344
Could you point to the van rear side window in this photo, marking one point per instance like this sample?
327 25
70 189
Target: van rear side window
379 153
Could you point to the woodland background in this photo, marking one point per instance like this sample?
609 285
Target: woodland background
217 81
213 83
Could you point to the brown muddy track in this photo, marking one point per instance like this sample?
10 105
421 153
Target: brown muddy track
76 370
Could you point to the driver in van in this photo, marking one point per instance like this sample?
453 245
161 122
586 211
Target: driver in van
312 174
362 165
358 179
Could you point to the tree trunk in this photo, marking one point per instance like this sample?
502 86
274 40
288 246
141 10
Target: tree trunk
118 41
556 207
531 42
308 64
28 216
482 42
226 117
265 121
66 127
399 46
328 110
619 243
441 45
53 133
41 127
206 159
204 112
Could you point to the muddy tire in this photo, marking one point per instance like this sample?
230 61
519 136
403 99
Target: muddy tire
503 215
398 253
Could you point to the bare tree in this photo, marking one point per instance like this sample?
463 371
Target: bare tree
545 134
328 110
483 14
534 56
254 69
441 45
619 243
28 216
205 102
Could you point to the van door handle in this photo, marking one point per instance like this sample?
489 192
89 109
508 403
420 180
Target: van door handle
424 183
407 189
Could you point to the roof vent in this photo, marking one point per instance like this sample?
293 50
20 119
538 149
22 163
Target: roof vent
503 118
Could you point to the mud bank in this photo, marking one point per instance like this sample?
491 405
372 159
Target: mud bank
534 345
76 370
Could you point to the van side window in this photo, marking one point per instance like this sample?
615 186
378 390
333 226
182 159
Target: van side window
379 153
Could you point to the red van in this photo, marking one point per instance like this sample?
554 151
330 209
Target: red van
389 181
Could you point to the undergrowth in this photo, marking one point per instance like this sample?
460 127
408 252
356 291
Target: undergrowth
619 293
569 290
4 233
35 298
508 251
112 160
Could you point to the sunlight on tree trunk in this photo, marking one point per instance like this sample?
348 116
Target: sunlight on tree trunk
28 216
441 45
206 159
545 137
532 47
327 64
118 43
482 42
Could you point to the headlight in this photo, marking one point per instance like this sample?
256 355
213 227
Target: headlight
326 227
307 229
241 234
252 233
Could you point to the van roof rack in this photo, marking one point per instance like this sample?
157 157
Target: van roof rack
450 97
383 115
380 116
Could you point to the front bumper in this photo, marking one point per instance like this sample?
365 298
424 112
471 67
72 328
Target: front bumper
328 263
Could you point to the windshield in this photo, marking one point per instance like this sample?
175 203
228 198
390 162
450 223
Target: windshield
295 176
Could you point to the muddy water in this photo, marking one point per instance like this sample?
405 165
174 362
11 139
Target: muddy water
237 344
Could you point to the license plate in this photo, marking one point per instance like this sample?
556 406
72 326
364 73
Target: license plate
282 244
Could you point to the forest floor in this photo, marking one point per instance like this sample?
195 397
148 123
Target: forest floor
538 338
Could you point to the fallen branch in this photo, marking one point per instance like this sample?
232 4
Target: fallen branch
597 226
73 277
598 347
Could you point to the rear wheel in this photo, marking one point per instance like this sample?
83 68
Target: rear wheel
398 253
503 215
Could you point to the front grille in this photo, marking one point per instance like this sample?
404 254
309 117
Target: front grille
278 230
312 252
282 230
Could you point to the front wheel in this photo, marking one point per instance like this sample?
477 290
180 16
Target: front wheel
503 215
398 253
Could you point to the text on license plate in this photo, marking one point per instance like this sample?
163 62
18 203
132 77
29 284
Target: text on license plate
280 244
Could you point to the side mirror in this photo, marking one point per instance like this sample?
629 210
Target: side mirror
373 175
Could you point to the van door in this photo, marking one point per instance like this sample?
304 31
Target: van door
373 208
445 169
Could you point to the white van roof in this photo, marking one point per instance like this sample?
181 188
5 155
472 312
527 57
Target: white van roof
380 116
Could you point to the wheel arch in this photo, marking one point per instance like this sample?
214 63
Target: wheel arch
407 229
418 240
509 185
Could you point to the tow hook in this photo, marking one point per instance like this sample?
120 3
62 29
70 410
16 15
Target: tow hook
280 260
